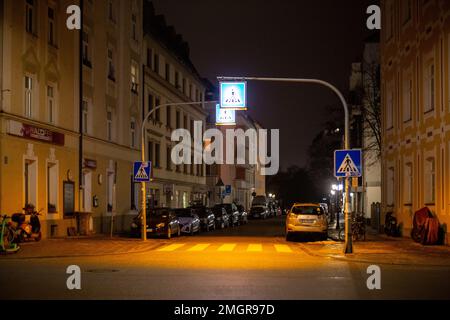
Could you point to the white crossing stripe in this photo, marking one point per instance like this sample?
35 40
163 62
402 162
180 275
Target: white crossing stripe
254 247
171 247
282 248
227 247
199 247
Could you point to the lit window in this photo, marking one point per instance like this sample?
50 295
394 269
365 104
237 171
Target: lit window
134 77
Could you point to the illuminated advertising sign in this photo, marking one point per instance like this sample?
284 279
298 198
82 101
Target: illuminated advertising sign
225 117
233 95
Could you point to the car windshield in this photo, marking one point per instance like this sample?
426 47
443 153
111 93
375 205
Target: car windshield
184 213
217 210
307 210
162 213
257 209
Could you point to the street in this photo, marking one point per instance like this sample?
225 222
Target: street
252 261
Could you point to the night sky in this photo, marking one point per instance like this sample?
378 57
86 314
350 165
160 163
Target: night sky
302 39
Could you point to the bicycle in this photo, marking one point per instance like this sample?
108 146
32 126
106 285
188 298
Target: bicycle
358 226
7 235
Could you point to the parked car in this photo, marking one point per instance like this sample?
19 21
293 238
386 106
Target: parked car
189 221
259 201
221 216
243 216
306 218
206 216
258 212
232 211
160 222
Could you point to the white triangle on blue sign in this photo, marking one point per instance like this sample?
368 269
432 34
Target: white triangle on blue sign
347 166
141 173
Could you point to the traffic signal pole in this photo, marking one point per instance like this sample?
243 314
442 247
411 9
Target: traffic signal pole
348 232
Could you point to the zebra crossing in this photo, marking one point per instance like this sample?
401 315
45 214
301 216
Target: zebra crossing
226 247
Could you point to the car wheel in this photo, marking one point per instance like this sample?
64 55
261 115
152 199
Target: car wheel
179 231
169 233
207 228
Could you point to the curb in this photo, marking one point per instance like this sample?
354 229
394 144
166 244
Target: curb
86 255
358 260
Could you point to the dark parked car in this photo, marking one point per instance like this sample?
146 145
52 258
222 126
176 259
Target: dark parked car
188 220
206 216
243 216
221 216
232 211
160 222
258 212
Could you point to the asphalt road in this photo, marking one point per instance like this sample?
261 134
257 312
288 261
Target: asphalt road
247 262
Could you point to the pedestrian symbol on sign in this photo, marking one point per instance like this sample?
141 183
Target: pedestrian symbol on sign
142 171
348 167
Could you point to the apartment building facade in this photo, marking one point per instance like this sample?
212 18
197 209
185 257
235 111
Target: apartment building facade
170 78
415 72
38 112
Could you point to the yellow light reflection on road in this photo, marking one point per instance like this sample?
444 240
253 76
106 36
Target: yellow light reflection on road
254 248
282 248
171 247
227 247
199 247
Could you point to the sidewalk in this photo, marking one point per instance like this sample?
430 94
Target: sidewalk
82 246
381 249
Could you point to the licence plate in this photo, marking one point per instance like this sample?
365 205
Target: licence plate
149 230
307 221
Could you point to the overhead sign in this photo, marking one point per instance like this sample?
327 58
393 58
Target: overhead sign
35 133
347 163
141 171
225 117
233 95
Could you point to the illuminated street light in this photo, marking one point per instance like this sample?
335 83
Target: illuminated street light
333 192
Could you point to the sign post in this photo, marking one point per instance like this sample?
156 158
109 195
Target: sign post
141 173
347 165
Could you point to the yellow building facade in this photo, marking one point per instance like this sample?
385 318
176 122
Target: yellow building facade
415 72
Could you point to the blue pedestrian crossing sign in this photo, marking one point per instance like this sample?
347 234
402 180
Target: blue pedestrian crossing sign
347 163
141 171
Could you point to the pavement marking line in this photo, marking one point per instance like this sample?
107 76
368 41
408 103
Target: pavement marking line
254 247
172 247
227 247
199 247
282 248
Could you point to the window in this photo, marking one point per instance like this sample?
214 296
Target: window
51 27
390 187
52 187
178 120
133 133
430 178
407 98
168 72
51 105
109 125
429 87
150 151
408 183
134 77
184 86
390 110
86 54
28 96
85 117
169 116
157 155
156 63
168 159
406 10
150 103
111 12
177 80
133 27
111 71
30 182
149 57
30 19
157 112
